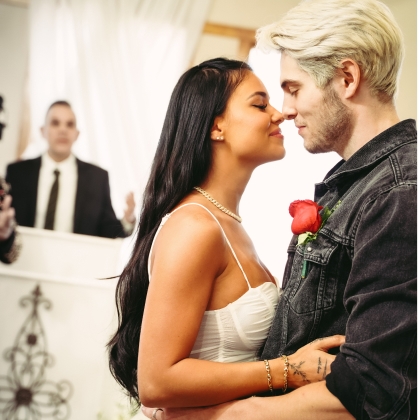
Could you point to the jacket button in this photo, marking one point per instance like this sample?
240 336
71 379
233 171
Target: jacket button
309 249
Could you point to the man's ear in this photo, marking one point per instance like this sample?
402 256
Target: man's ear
350 76
216 132
42 130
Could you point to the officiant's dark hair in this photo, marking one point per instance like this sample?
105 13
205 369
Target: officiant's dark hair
182 161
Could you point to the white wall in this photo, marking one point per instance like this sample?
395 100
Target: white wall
13 67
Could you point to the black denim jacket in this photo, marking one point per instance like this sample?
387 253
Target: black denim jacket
361 279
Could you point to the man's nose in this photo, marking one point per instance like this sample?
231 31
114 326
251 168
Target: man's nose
289 110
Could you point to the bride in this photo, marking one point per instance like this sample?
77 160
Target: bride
195 303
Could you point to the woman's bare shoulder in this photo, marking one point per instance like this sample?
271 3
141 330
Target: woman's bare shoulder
191 232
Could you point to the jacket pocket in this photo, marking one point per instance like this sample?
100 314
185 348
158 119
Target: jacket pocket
318 289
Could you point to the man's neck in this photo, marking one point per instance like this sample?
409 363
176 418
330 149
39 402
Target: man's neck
369 121
58 158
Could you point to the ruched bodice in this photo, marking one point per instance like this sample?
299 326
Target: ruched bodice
234 333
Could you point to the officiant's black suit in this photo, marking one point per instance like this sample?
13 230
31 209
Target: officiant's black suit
93 213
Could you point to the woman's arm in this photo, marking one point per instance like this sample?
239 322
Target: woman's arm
313 402
190 253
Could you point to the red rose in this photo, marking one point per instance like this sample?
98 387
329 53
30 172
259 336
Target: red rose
306 216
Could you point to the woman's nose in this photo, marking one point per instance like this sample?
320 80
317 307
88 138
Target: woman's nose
277 117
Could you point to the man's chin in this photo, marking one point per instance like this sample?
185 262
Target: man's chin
315 148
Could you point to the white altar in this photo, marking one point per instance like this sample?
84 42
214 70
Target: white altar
54 358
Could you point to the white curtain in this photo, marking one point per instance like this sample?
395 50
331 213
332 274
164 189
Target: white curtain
116 62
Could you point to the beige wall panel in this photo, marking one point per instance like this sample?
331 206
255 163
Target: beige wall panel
248 13
211 46
405 12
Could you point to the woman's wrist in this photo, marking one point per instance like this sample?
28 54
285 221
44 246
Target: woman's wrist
276 372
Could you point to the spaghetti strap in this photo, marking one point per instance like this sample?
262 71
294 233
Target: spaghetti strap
167 216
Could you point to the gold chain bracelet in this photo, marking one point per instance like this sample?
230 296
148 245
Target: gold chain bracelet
286 372
266 362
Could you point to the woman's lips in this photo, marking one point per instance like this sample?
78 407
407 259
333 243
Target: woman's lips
277 133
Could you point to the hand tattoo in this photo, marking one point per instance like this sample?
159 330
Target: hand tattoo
325 370
297 371
319 365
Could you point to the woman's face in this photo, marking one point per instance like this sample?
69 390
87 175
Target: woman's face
251 125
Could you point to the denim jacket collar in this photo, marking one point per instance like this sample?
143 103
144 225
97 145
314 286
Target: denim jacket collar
380 146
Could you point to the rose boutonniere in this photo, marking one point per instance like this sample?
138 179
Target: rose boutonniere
307 222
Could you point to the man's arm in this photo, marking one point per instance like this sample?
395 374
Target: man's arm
373 375
313 402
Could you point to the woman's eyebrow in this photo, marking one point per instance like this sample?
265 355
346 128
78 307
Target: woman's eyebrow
263 94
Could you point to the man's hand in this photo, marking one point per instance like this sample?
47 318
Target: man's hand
129 215
7 219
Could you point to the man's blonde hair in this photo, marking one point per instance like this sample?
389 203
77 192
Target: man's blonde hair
318 34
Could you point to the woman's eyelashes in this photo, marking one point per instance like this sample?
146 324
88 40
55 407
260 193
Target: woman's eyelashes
261 106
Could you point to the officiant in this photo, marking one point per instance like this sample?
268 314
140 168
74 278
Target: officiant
59 192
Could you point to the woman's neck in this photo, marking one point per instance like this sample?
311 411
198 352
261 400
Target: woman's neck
226 183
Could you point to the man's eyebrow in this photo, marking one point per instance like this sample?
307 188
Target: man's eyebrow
289 82
263 94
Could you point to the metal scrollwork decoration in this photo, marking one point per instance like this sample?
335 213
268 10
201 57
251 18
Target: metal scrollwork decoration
25 393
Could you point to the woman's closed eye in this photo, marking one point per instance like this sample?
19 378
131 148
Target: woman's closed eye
261 106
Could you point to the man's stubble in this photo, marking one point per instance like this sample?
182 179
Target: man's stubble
335 125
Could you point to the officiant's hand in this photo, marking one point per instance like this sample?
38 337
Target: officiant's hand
7 219
129 213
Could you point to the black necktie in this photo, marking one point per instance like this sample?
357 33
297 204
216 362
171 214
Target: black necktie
52 203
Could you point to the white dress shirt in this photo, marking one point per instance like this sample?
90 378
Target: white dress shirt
64 213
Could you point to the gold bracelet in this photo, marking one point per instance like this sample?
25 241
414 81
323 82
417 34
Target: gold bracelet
286 371
266 362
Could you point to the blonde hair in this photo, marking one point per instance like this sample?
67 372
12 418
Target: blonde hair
318 34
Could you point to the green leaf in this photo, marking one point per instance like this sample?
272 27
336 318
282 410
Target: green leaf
302 237
326 214
305 238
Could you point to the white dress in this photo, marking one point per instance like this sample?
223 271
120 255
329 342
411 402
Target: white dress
234 333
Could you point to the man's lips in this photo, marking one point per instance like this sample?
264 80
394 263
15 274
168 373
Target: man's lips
277 133
300 128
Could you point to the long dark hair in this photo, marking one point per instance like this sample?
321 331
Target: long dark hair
182 161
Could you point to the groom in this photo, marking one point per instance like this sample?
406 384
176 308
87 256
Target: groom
340 67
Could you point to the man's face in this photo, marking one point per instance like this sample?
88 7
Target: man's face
324 122
60 131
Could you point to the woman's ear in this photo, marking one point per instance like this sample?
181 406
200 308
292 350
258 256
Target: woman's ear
350 76
217 133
